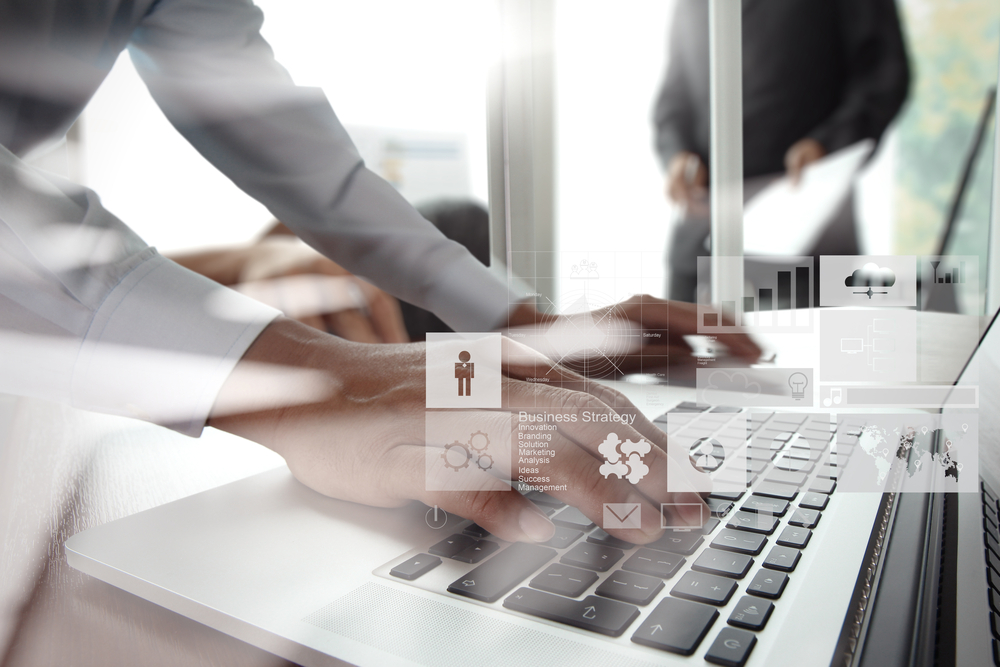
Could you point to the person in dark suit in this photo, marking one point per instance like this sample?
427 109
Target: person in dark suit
817 77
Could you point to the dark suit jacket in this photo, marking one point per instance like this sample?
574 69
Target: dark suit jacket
833 70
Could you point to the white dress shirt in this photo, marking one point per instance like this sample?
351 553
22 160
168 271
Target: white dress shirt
92 316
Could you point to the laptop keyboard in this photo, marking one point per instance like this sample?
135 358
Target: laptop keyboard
991 543
669 593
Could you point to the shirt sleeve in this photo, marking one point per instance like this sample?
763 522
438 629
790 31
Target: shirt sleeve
93 317
217 81
878 74
673 113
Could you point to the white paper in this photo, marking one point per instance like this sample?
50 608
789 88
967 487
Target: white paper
787 219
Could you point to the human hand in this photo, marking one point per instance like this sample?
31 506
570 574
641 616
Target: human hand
801 154
655 327
687 181
361 435
283 272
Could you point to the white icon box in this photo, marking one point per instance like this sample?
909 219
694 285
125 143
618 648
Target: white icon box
468 450
673 509
464 370
702 463
620 516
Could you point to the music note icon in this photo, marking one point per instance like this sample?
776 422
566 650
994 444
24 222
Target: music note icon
835 397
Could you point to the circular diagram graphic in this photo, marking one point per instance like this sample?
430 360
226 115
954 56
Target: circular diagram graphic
595 337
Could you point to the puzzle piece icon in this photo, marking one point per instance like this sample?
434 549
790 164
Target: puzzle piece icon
619 470
641 448
609 449
637 469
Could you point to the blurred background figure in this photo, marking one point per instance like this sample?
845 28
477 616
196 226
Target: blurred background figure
817 77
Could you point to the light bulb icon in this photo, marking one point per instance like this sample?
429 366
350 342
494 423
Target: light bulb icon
798 382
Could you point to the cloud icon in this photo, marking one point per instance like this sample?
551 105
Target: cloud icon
871 275
739 382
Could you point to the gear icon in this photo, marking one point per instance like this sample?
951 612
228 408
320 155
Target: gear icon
479 441
451 454
485 462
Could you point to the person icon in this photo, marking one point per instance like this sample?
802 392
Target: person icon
706 456
464 372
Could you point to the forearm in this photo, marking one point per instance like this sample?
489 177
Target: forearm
223 265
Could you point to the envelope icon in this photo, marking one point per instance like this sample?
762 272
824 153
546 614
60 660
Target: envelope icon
622 515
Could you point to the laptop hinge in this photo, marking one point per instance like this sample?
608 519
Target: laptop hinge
852 633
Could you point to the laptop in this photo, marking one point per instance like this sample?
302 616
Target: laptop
823 557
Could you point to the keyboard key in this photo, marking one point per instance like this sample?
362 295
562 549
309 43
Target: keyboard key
814 501
731 648
756 467
993 561
794 537
449 546
990 530
992 543
772 435
676 625
688 406
988 492
492 580
592 613
994 600
790 418
775 506
654 563
805 518
726 409
995 624
753 522
838 460
846 439
804 453
786 463
772 490
821 485
593 557
571 517
719 508
709 526
727 495
829 472
564 580
760 453
702 587
740 541
678 543
475 553
630 587
415 567
991 514
782 558
751 613
993 579
601 537
796 479
476 531
723 563
768 584
563 537
540 498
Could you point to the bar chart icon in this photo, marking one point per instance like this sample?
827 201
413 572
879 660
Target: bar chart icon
777 297
956 275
